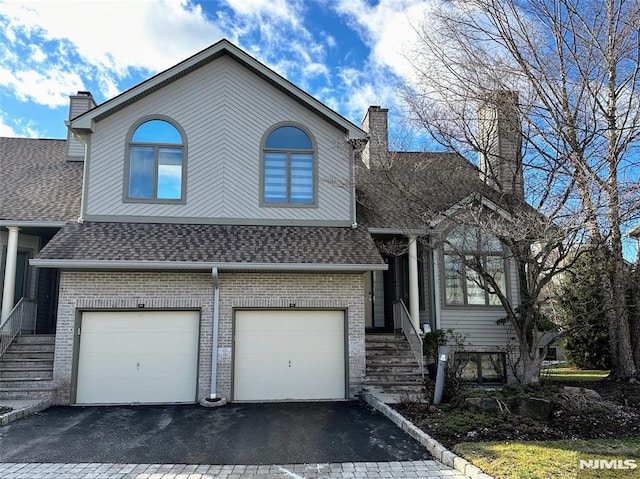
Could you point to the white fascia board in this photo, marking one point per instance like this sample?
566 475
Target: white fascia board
199 266
451 211
85 122
33 224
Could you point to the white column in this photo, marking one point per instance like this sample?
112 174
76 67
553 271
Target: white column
10 273
414 287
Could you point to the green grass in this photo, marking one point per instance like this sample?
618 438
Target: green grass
551 459
573 374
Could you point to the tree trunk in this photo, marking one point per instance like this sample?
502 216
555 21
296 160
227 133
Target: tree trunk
530 362
635 318
613 294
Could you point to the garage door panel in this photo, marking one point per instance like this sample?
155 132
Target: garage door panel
289 355
138 357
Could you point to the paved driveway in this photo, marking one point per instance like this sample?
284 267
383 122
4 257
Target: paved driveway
273 433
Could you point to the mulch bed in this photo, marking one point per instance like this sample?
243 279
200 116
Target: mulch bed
619 416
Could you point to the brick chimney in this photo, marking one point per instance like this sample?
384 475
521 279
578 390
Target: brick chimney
500 141
78 104
375 123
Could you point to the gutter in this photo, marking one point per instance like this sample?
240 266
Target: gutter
200 266
33 224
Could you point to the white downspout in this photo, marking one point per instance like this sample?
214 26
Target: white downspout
9 288
214 347
414 287
213 399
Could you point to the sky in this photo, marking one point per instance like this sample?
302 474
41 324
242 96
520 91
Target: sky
346 53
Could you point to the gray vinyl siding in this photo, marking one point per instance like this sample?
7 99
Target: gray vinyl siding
225 111
75 148
478 323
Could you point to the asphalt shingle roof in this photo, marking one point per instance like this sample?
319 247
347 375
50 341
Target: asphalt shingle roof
212 243
415 188
36 181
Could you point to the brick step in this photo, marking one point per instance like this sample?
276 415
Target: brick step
39 372
381 359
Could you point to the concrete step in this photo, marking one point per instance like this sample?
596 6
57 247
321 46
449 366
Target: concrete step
28 347
392 369
35 338
394 379
35 372
399 388
11 355
34 384
27 363
26 393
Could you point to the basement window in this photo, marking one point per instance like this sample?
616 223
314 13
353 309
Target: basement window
481 368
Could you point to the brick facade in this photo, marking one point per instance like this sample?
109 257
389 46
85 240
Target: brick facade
163 290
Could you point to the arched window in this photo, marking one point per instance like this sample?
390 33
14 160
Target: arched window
466 246
288 174
156 162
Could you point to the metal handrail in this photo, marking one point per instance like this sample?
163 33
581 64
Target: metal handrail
21 318
410 332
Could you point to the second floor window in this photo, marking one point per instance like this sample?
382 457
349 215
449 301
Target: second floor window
463 285
288 168
156 162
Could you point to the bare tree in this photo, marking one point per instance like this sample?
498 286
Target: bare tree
442 194
576 65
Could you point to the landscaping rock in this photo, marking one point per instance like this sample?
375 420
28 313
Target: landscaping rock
534 408
488 405
584 392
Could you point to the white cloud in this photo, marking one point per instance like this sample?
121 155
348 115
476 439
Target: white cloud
389 28
281 10
19 129
50 88
137 32
6 130
99 41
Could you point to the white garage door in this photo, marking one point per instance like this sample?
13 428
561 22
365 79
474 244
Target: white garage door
138 357
289 355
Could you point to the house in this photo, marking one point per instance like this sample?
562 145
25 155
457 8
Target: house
199 237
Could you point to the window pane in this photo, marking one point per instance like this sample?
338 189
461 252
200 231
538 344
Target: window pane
275 177
493 367
157 131
475 292
467 366
170 173
495 267
453 281
289 137
301 178
141 172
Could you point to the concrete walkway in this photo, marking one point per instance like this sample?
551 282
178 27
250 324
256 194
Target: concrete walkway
357 470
